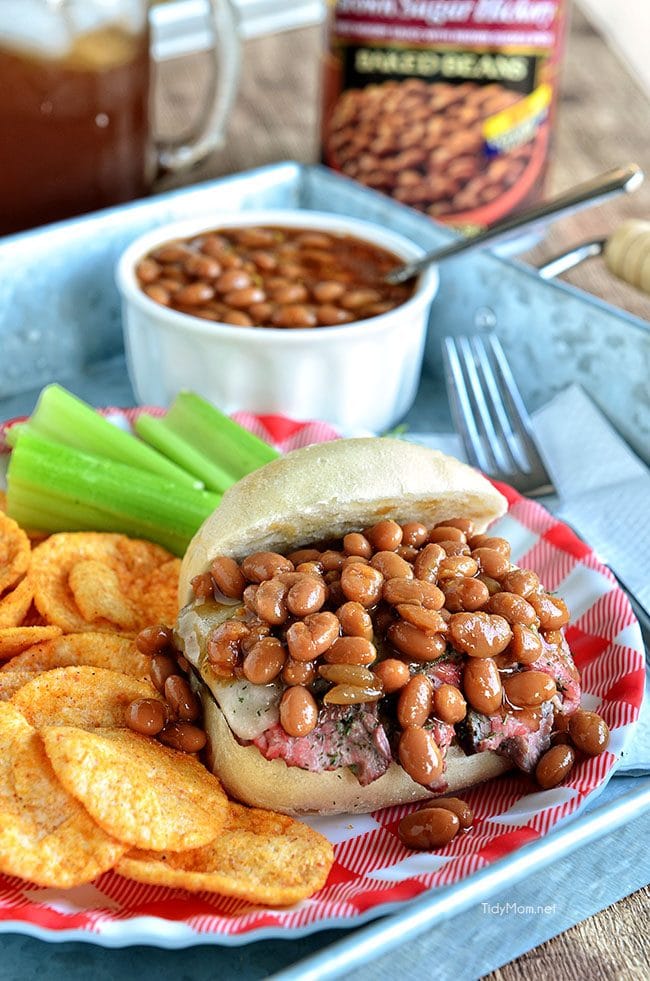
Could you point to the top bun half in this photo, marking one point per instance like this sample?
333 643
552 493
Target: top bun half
328 489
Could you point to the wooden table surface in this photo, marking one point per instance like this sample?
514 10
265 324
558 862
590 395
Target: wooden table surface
604 121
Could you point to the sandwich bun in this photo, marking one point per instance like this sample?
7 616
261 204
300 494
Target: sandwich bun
317 493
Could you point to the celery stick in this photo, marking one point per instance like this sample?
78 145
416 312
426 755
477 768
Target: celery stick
159 435
156 506
217 436
61 416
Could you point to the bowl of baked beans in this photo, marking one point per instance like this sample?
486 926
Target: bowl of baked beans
277 311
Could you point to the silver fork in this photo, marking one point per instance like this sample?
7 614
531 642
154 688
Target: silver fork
490 416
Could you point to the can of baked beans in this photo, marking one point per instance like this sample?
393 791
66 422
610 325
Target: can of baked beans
445 105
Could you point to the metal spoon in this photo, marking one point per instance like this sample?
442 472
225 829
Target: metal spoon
613 182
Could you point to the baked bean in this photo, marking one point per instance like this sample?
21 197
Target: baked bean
152 640
529 688
415 702
224 642
237 318
395 591
228 577
414 643
328 291
203 266
479 634
491 562
448 704
271 601
551 610
147 271
213 245
233 280
391 565
256 630
453 548
466 525
447 533
298 711
430 827
171 252
457 567
310 569
465 595
146 715
488 541
556 764
491 585
351 559
331 560
521 581
355 620
248 597
513 608
428 620
296 315
162 667
420 756
331 316
243 298
298 672
357 544
349 674
589 732
428 562
414 533
265 661
291 293
202 585
183 736
309 638
385 536
181 699
392 674
352 694
408 553
261 566
304 555
306 596
526 645
482 685
194 295
359 298
351 650
459 807
362 584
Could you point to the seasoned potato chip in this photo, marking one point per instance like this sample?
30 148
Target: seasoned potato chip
259 856
97 593
113 651
33 618
80 696
46 836
15 640
158 593
52 563
15 552
10 682
15 604
136 789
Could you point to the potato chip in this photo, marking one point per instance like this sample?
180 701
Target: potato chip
53 561
97 593
15 604
33 617
15 640
111 651
15 552
259 856
138 790
80 696
158 593
3 501
46 836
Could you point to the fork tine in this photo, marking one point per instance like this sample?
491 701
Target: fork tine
483 417
516 459
461 406
517 407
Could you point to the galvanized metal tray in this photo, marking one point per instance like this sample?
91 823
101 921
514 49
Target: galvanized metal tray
59 318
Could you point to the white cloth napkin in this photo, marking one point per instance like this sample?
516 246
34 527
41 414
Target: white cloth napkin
604 494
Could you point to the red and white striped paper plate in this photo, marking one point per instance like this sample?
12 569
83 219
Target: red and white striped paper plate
373 873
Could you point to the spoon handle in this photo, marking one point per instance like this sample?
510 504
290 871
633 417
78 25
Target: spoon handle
613 182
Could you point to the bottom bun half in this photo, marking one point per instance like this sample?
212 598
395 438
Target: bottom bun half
271 784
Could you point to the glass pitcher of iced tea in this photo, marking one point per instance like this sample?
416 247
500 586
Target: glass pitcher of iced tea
76 83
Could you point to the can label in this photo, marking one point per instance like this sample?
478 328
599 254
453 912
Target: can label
446 105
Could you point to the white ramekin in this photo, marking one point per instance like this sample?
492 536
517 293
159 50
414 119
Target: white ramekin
362 375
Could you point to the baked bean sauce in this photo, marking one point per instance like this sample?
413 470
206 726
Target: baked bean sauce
273 277
391 619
